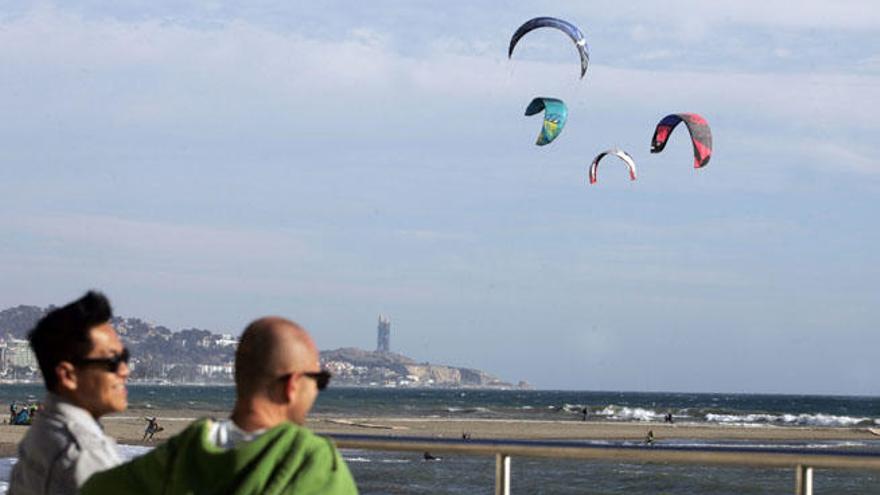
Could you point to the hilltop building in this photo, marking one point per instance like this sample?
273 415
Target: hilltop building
383 337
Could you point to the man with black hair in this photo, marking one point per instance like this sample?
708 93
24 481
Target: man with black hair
84 366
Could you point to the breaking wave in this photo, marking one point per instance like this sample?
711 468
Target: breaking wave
468 410
629 413
790 419
614 412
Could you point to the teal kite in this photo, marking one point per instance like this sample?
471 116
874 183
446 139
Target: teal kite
555 115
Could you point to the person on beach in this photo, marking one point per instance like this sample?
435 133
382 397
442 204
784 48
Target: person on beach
151 429
85 367
585 412
263 447
649 440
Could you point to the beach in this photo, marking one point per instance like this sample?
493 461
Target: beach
128 428
817 423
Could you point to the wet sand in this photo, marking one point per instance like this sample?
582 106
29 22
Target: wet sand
128 428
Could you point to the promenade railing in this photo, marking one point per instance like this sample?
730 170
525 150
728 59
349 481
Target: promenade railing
801 461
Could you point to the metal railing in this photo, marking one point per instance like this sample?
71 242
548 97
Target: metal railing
801 460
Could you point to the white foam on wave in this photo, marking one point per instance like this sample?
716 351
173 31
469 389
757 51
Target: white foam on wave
788 419
629 413
775 445
129 452
467 409
6 464
365 457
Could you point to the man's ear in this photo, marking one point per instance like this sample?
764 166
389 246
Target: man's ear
66 374
290 387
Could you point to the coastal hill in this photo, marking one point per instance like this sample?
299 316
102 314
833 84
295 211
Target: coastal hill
357 367
193 355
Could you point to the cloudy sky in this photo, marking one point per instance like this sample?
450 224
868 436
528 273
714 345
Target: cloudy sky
205 163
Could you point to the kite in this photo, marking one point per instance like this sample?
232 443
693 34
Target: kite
701 135
555 115
623 155
566 27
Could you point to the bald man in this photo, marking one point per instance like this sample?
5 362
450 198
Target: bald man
263 447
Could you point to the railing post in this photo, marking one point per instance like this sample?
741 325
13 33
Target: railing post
803 480
502 474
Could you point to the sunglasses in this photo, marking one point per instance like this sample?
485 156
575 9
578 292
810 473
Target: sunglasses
322 378
110 364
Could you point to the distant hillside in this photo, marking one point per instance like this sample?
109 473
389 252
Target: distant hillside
201 356
18 321
158 353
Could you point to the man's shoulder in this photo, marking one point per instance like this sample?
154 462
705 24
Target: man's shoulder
47 436
47 456
302 461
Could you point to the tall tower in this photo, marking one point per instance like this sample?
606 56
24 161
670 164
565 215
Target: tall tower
383 334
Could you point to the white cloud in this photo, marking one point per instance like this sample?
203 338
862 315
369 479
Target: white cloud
871 63
701 17
157 73
838 155
183 245
428 235
657 55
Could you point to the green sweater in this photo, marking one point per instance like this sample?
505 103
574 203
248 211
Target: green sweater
286 459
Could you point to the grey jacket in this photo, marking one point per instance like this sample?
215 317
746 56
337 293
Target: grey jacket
62 448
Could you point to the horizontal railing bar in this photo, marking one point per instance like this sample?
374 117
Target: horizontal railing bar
658 453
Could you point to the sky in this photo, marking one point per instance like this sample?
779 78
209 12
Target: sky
206 163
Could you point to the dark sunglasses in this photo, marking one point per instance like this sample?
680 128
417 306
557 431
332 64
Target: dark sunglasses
322 378
111 364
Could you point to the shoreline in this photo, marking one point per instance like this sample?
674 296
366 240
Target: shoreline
128 428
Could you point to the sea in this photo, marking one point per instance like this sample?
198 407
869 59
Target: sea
409 473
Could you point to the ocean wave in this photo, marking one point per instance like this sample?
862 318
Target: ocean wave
623 413
771 445
789 419
468 410
367 460
615 412
129 452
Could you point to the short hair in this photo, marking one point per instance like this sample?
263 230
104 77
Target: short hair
64 333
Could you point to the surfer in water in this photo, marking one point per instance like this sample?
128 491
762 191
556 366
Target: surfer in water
429 457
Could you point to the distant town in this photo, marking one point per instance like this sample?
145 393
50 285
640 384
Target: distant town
199 356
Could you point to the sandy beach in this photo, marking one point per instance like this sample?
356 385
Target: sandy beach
128 428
